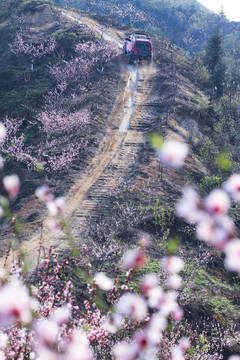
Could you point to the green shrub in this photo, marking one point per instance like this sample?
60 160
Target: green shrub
208 153
208 183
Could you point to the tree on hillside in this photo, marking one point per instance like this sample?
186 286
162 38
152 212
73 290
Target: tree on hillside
215 61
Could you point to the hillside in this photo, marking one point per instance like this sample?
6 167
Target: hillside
105 167
186 23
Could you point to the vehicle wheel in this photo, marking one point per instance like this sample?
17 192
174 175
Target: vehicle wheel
130 60
124 49
150 60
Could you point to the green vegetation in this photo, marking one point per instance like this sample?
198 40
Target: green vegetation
208 183
215 63
215 296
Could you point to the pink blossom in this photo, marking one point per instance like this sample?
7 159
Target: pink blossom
1 162
189 205
177 314
20 46
232 186
43 193
215 231
61 315
172 264
55 206
15 303
3 340
184 343
155 296
79 347
173 153
103 282
147 283
113 323
144 240
174 282
217 202
234 357
54 227
47 354
124 351
3 131
142 341
11 184
168 303
133 306
156 326
177 353
134 259
232 252
47 332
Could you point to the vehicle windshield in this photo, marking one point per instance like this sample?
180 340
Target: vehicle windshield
142 43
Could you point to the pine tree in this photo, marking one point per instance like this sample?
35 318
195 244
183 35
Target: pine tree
215 61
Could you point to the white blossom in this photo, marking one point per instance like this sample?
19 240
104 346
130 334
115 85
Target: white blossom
103 281
173 153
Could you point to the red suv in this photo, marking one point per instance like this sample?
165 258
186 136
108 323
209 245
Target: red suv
138 46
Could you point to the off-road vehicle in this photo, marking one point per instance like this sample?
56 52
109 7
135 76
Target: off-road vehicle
138 47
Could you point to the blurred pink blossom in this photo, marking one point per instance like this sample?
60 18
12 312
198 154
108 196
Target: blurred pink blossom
232 186
134 259
15 303
172 264
173 153
232 252
188 206
132 306
79 347
103 282
11 184
147 283
54 227
3 131
56 206
217 202
43 193
124 351
47 332
174 282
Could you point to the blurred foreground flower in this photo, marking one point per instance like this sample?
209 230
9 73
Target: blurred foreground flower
11 184
232 186
132 306
173 153
15 303
3 132
232 252
44 194
134 259
55 206
103 282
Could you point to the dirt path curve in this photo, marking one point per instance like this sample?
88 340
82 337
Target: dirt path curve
117 151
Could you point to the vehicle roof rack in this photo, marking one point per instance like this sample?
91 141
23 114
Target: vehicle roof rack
141 35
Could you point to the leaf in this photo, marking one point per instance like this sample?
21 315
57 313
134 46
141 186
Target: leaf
224 161
173 245
156 141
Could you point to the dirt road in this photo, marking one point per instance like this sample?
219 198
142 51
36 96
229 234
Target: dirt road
116 153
